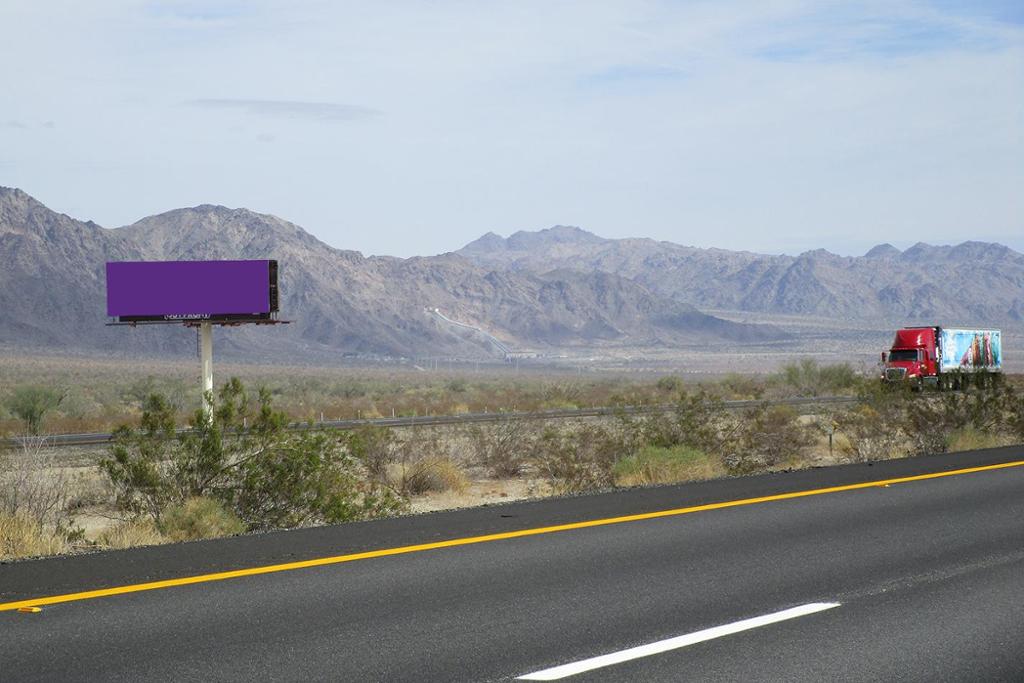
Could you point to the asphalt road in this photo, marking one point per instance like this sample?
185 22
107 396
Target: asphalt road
921 580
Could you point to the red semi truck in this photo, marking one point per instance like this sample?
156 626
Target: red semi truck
945 358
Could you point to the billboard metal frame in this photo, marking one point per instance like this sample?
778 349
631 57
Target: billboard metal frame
197 322
203 323
228 291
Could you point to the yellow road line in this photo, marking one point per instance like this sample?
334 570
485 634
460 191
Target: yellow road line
471 540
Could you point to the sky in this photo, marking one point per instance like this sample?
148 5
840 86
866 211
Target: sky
412 128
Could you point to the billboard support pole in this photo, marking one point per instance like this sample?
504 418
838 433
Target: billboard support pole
206 362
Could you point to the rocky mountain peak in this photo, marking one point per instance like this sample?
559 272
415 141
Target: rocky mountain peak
881 251
529 242
559 234
920 251
490 241
219 232
818 255
25 218
12 194
981 251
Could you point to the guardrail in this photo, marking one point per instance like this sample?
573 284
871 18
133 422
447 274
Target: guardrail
94 439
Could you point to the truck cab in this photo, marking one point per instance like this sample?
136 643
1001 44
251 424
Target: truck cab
914 356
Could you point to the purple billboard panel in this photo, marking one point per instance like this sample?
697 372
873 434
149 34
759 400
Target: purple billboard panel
191 290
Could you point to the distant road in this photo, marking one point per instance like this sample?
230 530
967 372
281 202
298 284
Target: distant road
909 570
500 345
95 438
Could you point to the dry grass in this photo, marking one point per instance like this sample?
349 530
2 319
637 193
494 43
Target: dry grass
431 475
481 492
132 534
199 518
970 439
22 537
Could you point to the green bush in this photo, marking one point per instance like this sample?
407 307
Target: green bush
375 447
578 459
503 447
31 403
808 378
245 458
768 435
656 465
930 422
456 386
670 384
1014 403
743 387
868 434
139 464
933 420
558 395
698 422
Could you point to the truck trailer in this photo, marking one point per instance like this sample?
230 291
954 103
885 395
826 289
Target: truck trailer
944 358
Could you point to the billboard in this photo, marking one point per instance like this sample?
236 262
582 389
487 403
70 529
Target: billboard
174 291
967 350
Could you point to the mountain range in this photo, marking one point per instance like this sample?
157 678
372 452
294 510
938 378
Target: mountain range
52 293
556 288
972 283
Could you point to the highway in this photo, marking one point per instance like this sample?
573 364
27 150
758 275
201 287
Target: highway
908 570
811 403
